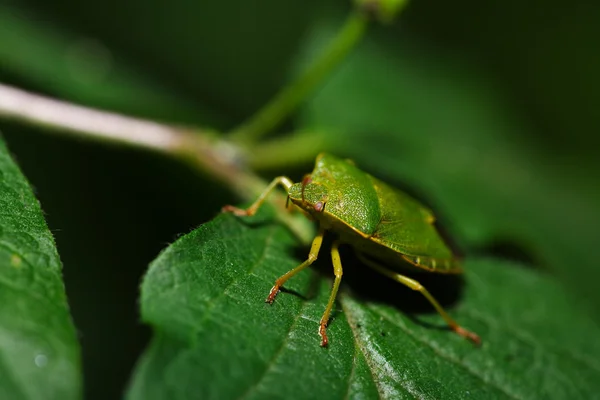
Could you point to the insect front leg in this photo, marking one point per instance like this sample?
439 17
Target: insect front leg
240 212
337 270
415 285
312 257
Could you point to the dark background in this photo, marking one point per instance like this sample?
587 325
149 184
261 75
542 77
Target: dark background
214 63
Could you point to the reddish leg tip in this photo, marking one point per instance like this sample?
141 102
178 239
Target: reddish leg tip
272 294
473 337
236 211
323 334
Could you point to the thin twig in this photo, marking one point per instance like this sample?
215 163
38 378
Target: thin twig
86 122
280 107
203 150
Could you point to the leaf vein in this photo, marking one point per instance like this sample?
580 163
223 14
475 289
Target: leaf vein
277 353
444 355
352 322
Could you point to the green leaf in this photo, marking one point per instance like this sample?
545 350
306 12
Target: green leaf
216 338
440 128
39 352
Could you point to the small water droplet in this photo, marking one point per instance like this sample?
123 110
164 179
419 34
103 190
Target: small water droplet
41 360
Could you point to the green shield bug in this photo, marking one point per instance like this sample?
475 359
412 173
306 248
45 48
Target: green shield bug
389 230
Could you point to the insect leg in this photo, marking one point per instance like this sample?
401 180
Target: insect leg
312 256
337 270
280 180
414 285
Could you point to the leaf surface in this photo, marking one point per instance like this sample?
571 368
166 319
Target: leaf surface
39 352
216 338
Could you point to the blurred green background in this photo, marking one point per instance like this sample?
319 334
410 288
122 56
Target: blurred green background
441 69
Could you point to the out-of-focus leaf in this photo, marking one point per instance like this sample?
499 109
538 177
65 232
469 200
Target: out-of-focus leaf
222 53
216 338
437 127
84 70
39 352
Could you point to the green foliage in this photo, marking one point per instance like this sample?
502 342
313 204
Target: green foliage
438 133
494 128
39 352
216 338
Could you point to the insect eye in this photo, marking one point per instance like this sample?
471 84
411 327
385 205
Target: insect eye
319 206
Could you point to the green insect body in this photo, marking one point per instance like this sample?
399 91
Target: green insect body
385 226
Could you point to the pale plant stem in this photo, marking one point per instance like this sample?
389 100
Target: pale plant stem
86 122
203 150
